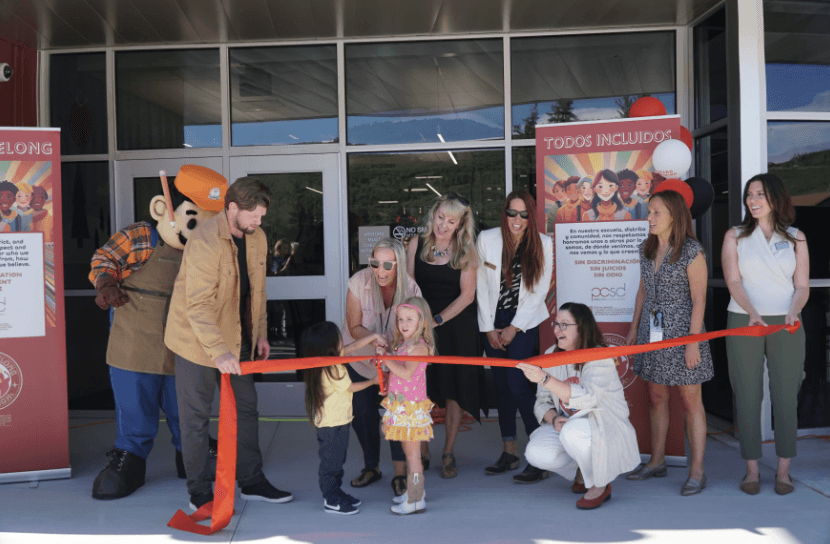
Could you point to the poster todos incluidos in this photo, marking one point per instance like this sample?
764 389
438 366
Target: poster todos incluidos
593 183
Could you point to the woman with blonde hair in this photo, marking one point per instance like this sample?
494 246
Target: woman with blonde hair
443 262
374 294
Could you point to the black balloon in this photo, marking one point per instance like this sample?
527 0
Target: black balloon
704 196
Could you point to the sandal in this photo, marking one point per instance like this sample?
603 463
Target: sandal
425 461
367 476
399 485
448 471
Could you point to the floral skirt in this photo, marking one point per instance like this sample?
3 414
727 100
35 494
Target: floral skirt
407 421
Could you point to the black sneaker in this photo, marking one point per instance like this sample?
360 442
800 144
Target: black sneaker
339 506
264 491
200 499
354 501
124 474
531 475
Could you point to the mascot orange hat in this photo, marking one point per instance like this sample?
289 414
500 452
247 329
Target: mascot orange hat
203 186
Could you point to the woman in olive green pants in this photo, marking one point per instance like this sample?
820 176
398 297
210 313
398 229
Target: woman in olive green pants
766 266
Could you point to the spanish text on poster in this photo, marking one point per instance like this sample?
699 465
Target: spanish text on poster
598 264
22 302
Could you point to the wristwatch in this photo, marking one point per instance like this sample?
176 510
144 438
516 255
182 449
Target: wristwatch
438 319
517 328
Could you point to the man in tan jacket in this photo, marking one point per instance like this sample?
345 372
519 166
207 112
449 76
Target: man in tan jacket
217 319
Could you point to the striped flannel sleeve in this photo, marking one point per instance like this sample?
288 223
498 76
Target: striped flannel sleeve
124 253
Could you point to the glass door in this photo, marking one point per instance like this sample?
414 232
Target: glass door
303 225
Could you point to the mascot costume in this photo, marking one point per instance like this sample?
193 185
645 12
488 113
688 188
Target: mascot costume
134 274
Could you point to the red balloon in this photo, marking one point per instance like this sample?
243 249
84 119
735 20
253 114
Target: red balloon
647 106
679 186
686 137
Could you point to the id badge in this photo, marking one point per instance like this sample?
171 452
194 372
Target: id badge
655 326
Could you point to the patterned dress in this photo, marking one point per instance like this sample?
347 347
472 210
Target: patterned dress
407 405
668 291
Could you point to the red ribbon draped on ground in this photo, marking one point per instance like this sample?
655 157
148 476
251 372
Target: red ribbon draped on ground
221 510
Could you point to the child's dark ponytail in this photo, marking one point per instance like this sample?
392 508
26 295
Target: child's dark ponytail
318 340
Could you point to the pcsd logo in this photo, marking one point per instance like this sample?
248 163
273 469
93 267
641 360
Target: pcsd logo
608 293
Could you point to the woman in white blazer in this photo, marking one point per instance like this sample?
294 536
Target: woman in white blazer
583 412
512 282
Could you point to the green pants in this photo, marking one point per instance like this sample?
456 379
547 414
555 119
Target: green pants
785 361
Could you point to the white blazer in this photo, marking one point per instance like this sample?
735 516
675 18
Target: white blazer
532 309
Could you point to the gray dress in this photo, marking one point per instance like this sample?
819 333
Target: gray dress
668 291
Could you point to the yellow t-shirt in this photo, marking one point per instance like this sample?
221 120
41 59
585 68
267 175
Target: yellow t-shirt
337 408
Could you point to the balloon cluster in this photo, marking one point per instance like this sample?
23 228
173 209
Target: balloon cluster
671 160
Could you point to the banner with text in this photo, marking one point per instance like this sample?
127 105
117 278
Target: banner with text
33 397
594 180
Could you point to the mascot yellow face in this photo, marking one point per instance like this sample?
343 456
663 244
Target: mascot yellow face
206 190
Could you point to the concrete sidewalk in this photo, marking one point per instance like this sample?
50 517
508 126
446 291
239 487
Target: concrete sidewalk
471 508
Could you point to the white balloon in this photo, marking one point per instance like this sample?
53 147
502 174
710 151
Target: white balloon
671 159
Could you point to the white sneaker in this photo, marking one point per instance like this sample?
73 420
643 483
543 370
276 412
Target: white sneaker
406 508
400 499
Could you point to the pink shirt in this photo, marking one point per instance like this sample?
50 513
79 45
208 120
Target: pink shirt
360 285
413 389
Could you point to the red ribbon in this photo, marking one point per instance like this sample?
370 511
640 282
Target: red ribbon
221 510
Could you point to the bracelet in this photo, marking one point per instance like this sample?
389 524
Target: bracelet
545 379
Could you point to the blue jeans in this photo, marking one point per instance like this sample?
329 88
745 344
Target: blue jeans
366 423
138 396
513 390
333 444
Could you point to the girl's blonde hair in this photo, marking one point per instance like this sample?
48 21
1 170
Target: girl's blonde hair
464 253
424 330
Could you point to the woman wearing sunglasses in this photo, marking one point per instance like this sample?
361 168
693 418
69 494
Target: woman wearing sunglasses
374 294
583 412
513 278
444 262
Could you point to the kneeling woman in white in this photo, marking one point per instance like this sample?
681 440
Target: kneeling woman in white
583 412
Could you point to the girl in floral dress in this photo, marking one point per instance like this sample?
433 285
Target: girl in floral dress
407 407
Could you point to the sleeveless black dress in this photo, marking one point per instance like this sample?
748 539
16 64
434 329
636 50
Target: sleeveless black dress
440 285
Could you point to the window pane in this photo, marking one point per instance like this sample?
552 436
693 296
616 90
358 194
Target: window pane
424 92
287 319
799 153
294 224
78 102
87 373
582 78
168 99
85 188
283 95
713 166
814 395
797 49
524 169
389 190
710 69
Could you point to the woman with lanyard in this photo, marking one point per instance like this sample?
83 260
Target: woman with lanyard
513 278
443 262
374 294
670 303
767 271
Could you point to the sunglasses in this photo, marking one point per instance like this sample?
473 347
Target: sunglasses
513 213
452 195
563 326
387 265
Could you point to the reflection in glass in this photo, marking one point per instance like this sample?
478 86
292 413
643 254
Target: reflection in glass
283 95
168 99
710 69
424 91
799 153
287 319
87 335
524 169
713 166
85 190
587 77
78 101
294 224
797 54
392 192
